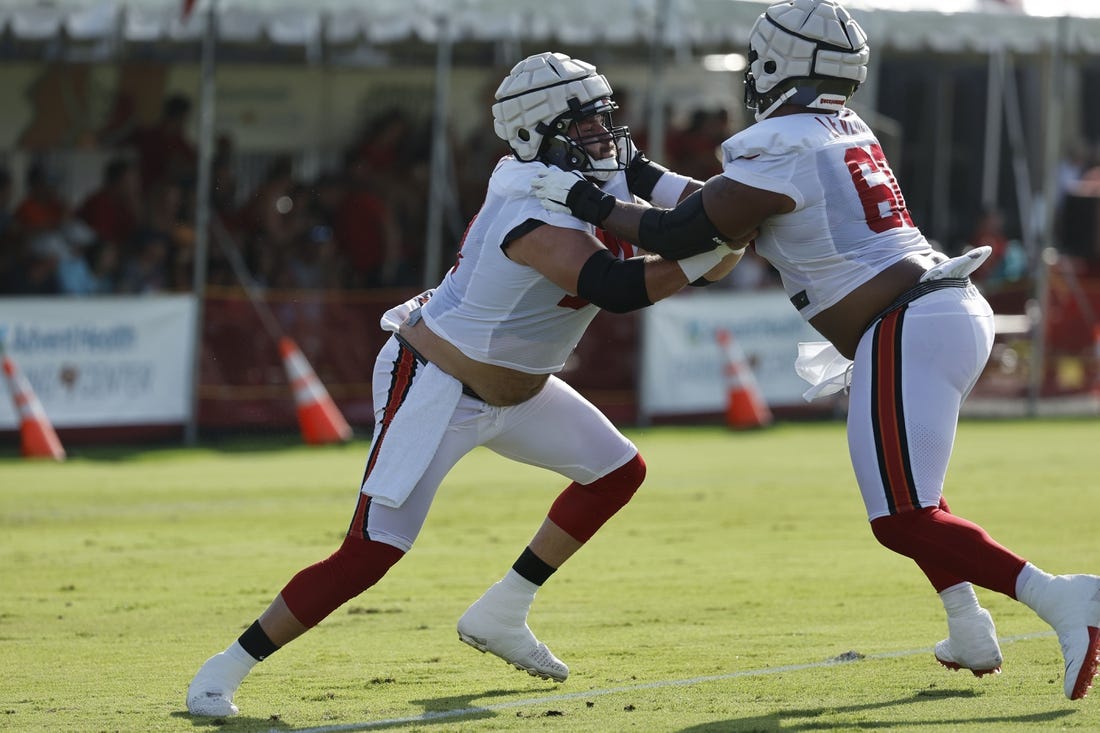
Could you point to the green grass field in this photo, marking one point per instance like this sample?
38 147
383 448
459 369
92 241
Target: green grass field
725 597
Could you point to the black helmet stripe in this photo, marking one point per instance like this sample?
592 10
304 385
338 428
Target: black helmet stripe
821 45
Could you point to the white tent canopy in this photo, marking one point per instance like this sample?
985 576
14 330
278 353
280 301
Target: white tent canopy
936 25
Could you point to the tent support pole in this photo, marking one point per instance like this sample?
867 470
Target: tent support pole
207 87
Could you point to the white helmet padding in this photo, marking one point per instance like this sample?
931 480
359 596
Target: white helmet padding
796 45
538 101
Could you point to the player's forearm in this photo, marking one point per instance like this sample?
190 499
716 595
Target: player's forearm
623 221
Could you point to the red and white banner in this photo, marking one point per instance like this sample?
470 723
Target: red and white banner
103 361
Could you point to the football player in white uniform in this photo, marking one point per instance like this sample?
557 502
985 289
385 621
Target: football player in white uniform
811 176
472 362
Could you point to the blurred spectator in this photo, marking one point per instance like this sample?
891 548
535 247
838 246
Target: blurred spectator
147 268
164 150
477 155
313 262
1070 169
1088 181
63 254
5 203
267 223
42 207
367 232
694 150
395 152
225 219
1007 263
77 265
159 255
223 190
20 274
386 142
113 209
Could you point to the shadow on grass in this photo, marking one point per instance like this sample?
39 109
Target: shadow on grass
240 723
439 710
804 718
448 710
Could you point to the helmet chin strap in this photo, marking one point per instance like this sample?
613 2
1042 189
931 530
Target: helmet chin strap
806 96
603 170
762 114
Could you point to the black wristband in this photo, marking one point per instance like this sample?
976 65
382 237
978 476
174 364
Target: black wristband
642 175
588 203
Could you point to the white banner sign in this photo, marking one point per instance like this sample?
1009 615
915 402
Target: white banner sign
101 361
683 366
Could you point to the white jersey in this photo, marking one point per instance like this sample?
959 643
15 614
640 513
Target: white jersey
500 312
849 222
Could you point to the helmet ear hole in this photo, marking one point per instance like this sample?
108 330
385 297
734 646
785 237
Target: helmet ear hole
770 66
523 134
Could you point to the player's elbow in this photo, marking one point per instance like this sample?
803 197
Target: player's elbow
612 284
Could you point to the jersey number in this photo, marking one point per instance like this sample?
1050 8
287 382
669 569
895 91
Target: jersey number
878 190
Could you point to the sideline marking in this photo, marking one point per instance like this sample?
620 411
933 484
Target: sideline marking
434 715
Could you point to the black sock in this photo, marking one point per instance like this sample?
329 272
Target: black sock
256 642
531 567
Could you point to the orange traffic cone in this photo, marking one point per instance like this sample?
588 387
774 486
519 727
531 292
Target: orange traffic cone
745 405
318 416
36 433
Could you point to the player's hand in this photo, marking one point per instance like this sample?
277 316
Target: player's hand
570 193
552 189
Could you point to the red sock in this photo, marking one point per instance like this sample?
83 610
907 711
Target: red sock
582 509
320 589
940 579
953 548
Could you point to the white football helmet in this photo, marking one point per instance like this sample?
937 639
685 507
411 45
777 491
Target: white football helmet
541 98
805 52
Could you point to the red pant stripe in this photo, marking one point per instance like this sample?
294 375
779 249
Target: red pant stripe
888 414
401 378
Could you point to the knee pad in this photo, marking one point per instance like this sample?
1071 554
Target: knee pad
320 589
582 509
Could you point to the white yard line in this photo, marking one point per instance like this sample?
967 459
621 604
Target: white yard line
434 715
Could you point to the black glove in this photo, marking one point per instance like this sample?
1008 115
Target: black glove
589 203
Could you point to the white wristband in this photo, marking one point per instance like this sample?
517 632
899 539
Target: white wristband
696 266
667 190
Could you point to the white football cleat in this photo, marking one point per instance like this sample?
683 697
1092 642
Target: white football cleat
211 691
514 644
971 643
1071 604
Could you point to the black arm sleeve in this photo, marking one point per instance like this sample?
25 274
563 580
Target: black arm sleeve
642 175
613 284
681 232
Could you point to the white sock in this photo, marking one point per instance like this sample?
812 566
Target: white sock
511 598
960 600
243 658
518 584
231 666
1029 584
